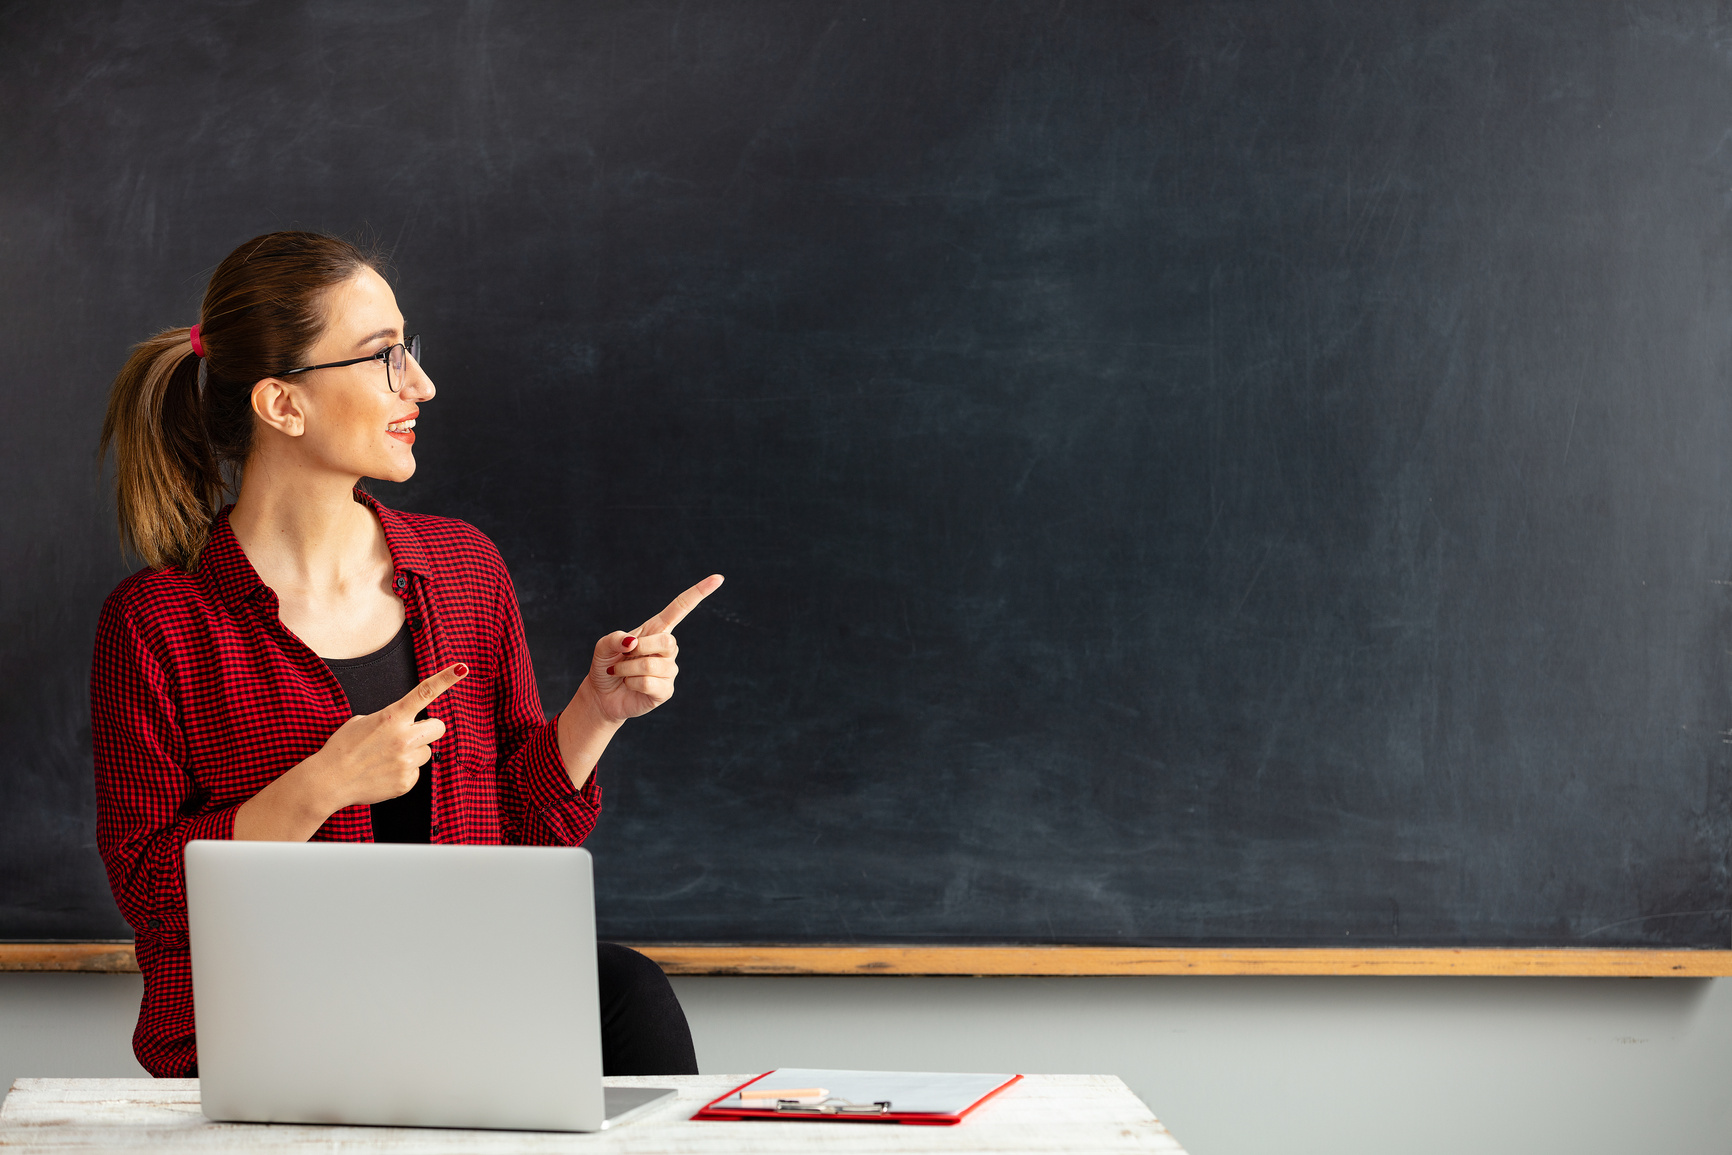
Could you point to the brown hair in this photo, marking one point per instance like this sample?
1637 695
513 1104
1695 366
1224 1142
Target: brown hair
181 435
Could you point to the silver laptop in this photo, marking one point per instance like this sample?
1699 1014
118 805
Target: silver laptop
407 986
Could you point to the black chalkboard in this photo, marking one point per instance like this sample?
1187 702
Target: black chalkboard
1186 472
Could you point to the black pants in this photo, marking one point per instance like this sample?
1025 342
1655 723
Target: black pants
643 1029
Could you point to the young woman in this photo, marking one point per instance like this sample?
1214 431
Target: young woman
286 667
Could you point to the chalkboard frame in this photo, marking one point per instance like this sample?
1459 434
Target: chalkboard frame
116 957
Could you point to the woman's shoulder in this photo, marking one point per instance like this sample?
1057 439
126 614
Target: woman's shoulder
153 590
452 532
448 546
152 604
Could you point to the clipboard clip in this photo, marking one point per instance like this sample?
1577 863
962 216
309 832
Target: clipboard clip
795 1107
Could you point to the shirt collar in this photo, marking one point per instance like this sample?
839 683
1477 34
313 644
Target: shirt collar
222 564
408 552
225 566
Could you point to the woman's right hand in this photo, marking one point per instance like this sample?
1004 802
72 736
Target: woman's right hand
373 757
370 758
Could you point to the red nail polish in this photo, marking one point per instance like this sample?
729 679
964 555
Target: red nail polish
462 670
610 669
628 643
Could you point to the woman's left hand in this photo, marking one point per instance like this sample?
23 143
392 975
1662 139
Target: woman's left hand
634 673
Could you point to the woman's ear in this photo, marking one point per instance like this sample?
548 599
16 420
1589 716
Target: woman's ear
276 404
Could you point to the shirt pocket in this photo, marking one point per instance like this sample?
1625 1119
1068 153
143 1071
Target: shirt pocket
472 718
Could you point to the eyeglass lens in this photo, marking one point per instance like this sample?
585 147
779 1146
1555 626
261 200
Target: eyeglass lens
394 361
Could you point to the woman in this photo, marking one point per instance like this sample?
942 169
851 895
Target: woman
284 667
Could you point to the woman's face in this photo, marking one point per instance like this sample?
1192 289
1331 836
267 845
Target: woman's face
347 420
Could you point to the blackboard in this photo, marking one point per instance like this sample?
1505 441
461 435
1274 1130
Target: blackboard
1241 473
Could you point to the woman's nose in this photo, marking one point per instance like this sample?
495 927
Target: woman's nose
417 386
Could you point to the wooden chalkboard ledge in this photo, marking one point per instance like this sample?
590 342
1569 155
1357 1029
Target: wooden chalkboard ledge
99 957
699 959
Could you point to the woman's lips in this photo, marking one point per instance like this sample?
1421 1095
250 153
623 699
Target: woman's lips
403 430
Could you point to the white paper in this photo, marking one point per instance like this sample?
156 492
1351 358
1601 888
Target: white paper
924 1091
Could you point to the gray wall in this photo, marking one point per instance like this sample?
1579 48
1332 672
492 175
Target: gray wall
1234 1066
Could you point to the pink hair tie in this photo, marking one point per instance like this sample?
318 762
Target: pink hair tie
197 345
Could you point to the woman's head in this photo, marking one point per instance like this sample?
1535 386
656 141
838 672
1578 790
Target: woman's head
347 409
280 302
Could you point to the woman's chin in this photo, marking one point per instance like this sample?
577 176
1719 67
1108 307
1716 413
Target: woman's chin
395 471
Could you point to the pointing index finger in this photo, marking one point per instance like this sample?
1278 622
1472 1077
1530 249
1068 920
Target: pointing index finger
430 688
677 609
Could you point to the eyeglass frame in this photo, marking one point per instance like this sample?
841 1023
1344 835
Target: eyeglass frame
411 350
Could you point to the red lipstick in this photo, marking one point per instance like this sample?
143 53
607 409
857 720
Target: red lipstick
406 436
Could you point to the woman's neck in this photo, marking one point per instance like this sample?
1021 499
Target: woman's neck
307 535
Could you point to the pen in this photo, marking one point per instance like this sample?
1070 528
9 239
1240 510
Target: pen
772 1096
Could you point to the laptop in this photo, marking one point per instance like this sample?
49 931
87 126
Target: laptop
399 985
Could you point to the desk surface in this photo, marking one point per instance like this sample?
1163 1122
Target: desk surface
1049 1113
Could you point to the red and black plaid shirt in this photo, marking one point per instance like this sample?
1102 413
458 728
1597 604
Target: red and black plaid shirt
200 697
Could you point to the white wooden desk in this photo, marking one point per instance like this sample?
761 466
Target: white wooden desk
1050 1113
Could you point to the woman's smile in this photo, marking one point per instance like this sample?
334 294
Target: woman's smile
403 429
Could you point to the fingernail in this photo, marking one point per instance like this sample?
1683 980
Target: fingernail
628 643
462 669
610 669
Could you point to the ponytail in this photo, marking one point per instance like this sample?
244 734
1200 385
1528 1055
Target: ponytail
180 419
167 482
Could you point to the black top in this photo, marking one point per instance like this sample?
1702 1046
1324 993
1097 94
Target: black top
373 682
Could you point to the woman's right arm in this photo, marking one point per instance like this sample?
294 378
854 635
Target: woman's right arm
290 809
370 758
142 788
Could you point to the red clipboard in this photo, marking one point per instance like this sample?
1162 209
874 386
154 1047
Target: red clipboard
920 1118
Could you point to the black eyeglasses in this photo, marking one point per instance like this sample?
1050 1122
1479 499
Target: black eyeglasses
392 355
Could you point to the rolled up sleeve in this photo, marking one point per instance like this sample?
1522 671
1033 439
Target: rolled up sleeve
538 806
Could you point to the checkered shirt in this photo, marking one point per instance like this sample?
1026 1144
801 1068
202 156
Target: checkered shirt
200 696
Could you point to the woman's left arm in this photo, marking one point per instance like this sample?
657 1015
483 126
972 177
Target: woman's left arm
629 675
547 790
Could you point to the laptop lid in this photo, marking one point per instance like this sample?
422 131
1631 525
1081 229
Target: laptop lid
401 985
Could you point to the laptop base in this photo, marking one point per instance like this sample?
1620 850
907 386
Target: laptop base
626 1103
